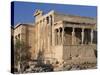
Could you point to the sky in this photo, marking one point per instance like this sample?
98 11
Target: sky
22 12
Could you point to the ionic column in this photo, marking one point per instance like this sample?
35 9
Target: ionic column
91 36
62 35
82 35
45 33
40 36
59 36
56 36
73 36
49 32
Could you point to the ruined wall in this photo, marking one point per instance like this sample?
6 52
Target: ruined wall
17 31
79 53
31 36
26 34
58 53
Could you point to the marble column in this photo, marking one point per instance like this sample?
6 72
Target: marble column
50 31
55 36
45 22
62 35
82 35
40 36
59 36
91 36
73 36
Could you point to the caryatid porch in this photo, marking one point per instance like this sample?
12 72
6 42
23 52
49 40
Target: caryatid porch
74 34
75 39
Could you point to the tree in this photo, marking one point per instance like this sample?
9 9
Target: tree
21 54
40 57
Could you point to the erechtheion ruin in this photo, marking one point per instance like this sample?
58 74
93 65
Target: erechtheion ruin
61 37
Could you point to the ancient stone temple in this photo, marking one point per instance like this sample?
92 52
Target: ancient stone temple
65 37
62 37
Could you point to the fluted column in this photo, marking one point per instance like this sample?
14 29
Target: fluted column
91 36
73 36
54 41
56 36
40 36
59 36
82 35
62 35
45 22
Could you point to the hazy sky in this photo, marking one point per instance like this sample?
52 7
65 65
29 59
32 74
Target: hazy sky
22 12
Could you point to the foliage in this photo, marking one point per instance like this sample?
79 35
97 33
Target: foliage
21 53
40 57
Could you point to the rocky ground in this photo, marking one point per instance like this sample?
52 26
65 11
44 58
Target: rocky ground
33 68
83 66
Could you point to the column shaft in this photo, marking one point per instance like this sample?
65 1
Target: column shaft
91 36
73 36
58 36
62 34
82 36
